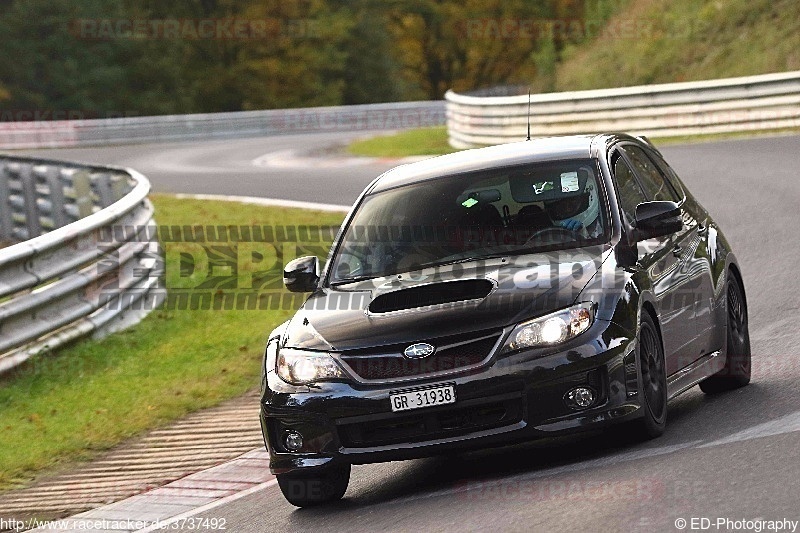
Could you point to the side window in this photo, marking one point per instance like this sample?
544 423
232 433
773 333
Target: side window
667 171
690 202
628 191
655 185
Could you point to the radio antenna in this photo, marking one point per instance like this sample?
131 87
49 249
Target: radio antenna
529 114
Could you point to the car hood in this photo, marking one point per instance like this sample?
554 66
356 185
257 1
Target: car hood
348 316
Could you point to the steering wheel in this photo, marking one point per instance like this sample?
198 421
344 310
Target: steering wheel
555 231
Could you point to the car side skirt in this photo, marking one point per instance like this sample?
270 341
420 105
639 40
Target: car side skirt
688 377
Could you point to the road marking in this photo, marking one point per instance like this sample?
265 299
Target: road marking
785 424
207 507
269 202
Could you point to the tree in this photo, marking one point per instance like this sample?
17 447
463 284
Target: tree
448 44
300 64
371 72
307 53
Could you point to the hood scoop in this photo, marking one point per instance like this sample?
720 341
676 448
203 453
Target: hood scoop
431 294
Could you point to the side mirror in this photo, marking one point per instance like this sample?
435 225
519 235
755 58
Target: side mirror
302 274
656 219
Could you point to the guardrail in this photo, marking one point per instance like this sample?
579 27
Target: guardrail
86 259
65 133
770 101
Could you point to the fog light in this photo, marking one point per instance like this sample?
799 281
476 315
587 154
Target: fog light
293 441
579 397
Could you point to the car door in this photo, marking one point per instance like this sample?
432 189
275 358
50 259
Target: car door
702 265
690 284
660 263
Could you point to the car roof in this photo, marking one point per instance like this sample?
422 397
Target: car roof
502 155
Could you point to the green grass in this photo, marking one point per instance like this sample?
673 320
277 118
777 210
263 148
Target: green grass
663 41
88 397
406 143
422 141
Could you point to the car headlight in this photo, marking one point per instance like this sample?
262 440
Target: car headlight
300 367
551 329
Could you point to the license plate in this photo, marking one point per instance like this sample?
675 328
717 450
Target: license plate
403 401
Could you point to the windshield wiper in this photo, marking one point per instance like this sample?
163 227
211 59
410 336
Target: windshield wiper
465 260
353 279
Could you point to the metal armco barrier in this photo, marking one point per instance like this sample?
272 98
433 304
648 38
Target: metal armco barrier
64 133
82 255
769 101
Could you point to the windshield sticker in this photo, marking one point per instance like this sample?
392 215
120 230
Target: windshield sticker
542 186
469 202
569 182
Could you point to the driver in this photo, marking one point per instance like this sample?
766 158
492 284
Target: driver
578 212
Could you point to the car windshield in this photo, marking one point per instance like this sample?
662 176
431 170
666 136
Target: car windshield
497 212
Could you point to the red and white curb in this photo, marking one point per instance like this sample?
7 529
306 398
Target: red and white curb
201 440
266 202
174 504
295 159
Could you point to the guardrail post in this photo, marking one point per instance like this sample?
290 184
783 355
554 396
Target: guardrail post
82 188
102 184
34 228
55 188
6 222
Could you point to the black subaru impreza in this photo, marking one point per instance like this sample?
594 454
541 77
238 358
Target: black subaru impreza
497 295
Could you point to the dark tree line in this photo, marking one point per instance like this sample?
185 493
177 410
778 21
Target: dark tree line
129 57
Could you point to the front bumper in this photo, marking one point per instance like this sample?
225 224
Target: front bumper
514 398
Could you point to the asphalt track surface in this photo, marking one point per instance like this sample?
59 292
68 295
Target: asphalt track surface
734 456
226 167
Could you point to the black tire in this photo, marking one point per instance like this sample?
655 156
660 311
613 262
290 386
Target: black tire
315 487
653 385
736 372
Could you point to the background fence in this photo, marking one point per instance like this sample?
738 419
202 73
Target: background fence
770 101
44 134
81 254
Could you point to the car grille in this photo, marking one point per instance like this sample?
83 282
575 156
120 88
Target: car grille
433 423
452 353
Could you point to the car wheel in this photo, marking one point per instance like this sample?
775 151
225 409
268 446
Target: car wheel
653 388
736 372
316 487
